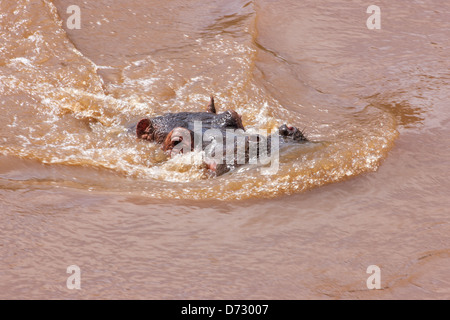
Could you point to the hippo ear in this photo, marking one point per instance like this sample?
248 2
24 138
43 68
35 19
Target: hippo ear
143 128
211 108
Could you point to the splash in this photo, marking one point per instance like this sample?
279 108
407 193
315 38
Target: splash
58 110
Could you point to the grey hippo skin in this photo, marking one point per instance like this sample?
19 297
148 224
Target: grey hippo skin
175 132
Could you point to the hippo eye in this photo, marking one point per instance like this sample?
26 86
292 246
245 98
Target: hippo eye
176 140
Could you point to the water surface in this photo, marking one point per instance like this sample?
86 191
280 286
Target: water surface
76 188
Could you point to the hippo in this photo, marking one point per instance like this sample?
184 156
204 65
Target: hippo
183 132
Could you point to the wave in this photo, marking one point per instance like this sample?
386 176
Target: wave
58 110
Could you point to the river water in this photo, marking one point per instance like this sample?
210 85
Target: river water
77 189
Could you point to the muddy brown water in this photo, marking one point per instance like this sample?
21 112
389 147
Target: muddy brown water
76 189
